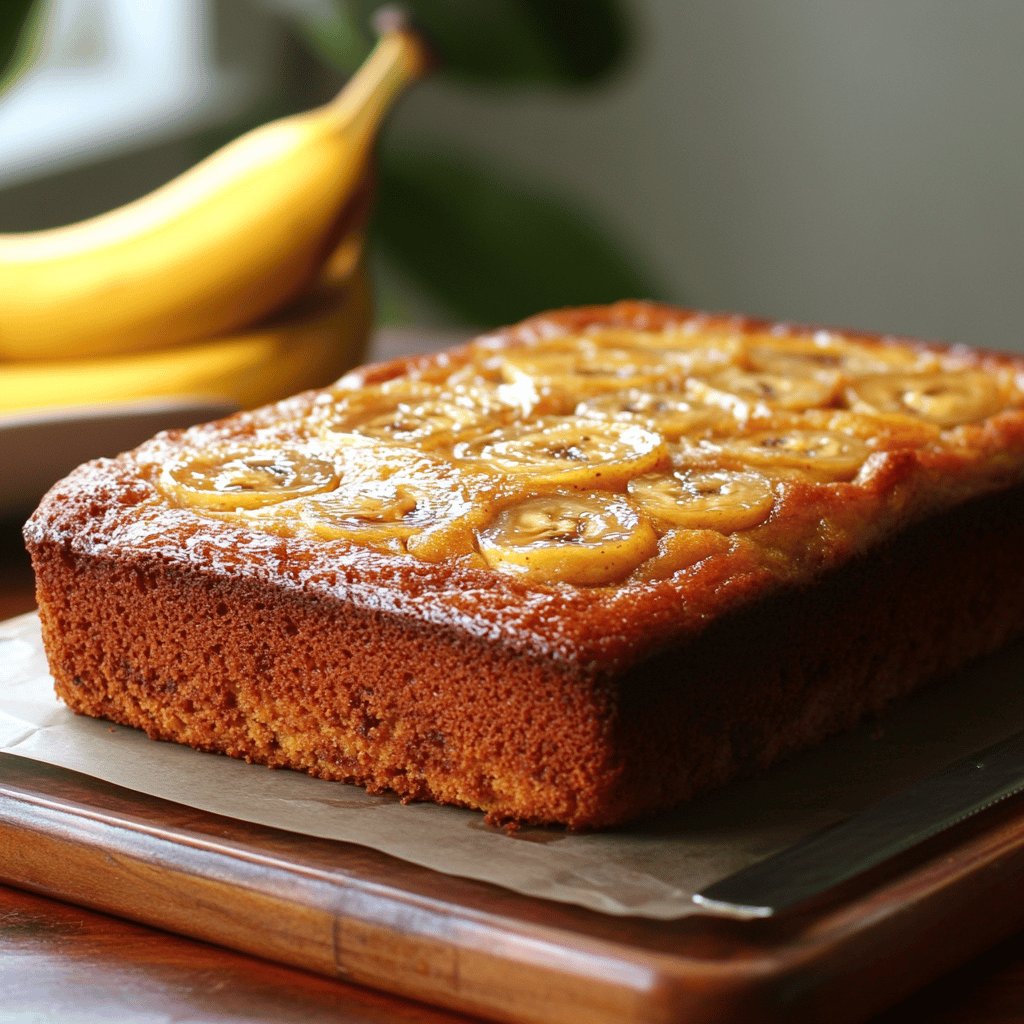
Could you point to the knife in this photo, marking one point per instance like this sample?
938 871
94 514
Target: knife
887 828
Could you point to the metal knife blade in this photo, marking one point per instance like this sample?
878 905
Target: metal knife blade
887 828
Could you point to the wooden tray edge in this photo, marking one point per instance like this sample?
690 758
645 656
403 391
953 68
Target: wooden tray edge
68 837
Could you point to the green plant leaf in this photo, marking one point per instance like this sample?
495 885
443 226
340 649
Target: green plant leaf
490 250
19 23
589 38
499 42
342 37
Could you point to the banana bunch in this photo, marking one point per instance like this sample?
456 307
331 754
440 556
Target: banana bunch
242 279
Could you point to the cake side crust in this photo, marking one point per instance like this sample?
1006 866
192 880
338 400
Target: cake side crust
376 699
785 673
273 677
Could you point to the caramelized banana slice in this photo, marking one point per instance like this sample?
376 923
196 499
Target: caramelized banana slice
744 392
586 370
721 499
670 414
590 540
369 511
807 354
879 431
689 347
818 454
568 452
415 413
391 499
432 519
945 399
238 477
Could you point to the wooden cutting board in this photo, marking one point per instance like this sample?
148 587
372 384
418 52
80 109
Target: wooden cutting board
352 913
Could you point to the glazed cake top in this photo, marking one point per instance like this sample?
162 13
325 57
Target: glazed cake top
609 477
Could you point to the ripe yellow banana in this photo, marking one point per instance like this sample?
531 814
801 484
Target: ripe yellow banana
225 244
309 344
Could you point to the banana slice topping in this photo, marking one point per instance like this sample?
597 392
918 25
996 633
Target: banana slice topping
569 452
404 502
671 414
589 540
615 453
722 500
416 413
683 348
587 370
809 354
745 392
821 455
237 477
373 512
945 399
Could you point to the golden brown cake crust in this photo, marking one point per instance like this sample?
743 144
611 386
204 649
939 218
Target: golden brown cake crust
586 705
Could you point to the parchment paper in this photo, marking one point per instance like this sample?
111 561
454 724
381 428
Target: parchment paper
650 870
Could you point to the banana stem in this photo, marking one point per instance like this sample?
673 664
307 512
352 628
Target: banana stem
399 58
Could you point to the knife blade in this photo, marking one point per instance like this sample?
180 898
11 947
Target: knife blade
890 827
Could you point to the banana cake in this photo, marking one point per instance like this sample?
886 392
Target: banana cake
573 572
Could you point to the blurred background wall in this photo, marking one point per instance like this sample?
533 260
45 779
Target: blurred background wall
851 163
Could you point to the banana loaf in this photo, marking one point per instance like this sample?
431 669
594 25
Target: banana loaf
574 572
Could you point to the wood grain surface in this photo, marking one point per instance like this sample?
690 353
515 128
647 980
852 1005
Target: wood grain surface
64 963
352 913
